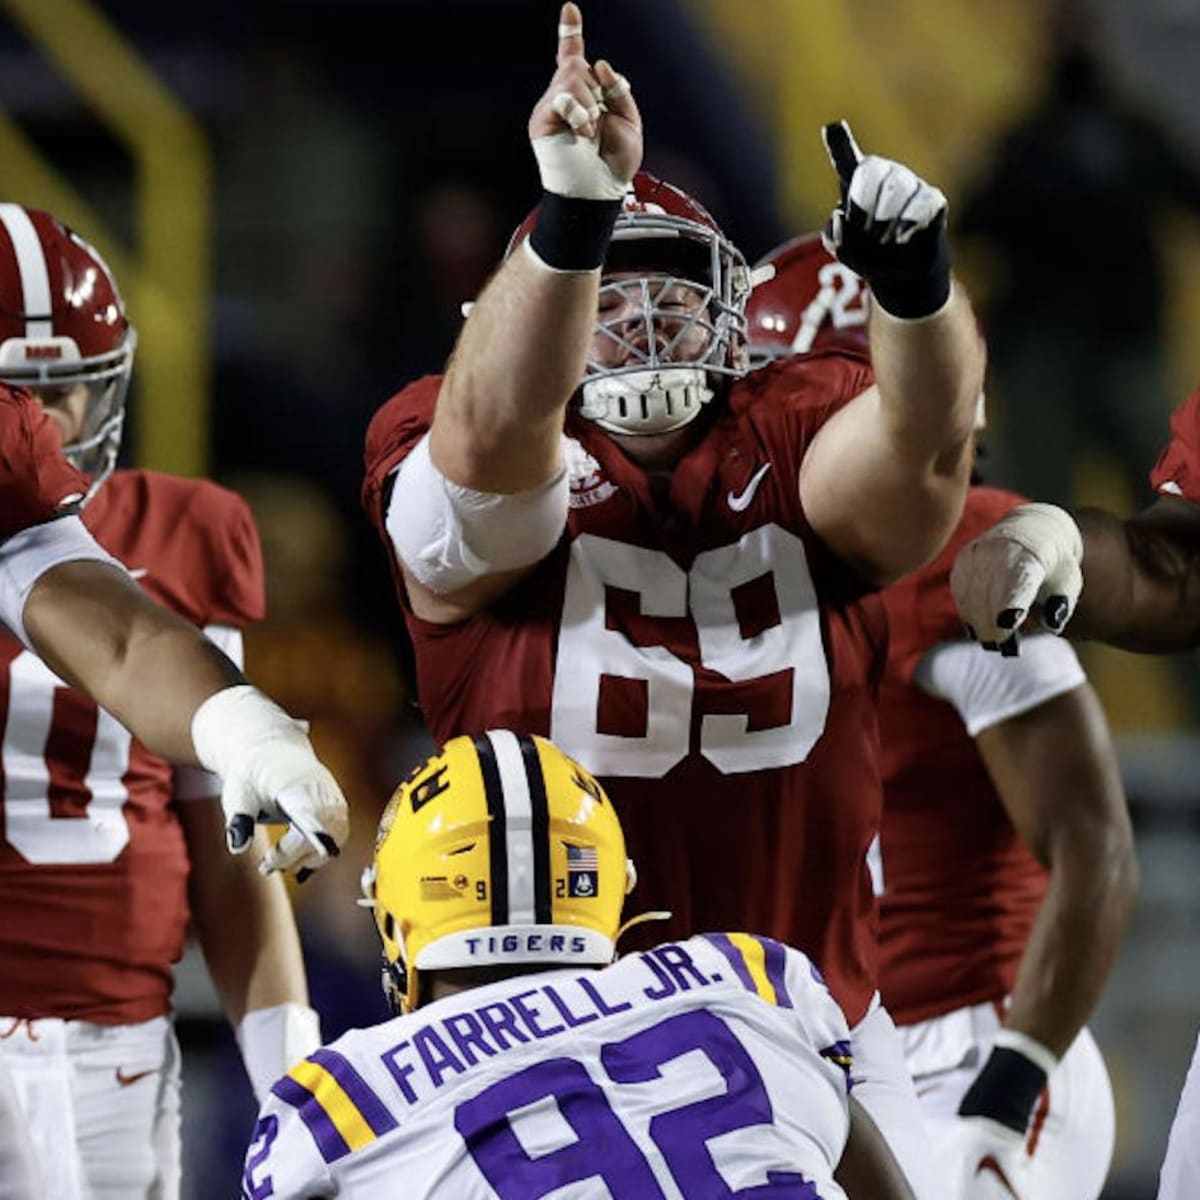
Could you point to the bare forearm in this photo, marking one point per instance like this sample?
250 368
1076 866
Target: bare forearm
150 668
1141 587
1074 942
868 1170
1057 775
243 921
929 374
886 477
518 362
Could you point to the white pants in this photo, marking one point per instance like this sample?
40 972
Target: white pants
102 1104
1074 1124
19 1175
883 1086
1180 1178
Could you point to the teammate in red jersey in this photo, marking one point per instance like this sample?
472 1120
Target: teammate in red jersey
986 764
666 567
104 842
1134 583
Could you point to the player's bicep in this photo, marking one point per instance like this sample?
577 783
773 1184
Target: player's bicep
880 513
282 1160
1056 772
29 555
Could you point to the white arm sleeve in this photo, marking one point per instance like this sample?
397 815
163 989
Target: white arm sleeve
985 689
28 555
195 783
448 536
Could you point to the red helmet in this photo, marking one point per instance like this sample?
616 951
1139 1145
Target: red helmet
62 322
806 301
671 312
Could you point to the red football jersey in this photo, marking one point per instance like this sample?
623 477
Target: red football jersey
697 647
36 481
1177 471
93 865
961 890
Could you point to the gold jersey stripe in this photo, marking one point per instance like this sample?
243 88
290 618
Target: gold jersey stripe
334 1102
755 958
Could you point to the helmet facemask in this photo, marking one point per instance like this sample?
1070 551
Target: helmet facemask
106 378
670 319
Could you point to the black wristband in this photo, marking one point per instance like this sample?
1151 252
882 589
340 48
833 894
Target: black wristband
573 234
908 296
1006 1089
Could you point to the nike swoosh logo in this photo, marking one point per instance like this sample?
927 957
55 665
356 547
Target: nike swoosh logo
990 1164
739 503
125 1080
138 572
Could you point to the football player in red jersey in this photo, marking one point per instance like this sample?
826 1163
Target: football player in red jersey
605 534
106 846
1134 583
993 772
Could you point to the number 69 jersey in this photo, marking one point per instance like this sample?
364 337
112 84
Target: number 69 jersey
712 1067
700 650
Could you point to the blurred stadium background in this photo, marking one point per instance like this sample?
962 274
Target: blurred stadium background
296 196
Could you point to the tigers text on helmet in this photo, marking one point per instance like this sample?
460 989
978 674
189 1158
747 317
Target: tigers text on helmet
497 850
805 300
671 312
63 324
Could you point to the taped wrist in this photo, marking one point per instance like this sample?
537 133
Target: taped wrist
911 295
273 1040
572 234
1006 1089
235 722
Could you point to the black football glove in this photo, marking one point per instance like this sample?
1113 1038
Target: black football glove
890 228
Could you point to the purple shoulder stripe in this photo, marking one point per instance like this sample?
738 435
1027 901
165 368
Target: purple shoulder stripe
775 959
734 957
352 1083
330 1143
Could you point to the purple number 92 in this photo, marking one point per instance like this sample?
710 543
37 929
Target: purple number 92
604 1148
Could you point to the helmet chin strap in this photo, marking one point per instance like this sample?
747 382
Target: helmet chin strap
645 402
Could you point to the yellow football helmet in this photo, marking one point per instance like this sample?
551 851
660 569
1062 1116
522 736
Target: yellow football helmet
498 849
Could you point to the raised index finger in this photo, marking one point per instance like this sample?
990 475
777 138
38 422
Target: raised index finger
842 149
570 33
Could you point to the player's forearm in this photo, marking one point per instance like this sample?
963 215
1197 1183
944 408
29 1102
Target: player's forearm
1057 775
1141 579
243 921
151 669
910 459
868 1170
1074 942
929 374
519 359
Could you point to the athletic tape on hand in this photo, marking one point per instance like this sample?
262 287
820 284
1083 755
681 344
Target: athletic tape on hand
571 165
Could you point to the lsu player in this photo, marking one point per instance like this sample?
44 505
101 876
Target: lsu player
106 846
1007 872
603 533
524 1062
1132 583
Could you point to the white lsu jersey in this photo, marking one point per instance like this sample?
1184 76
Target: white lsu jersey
707 1068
